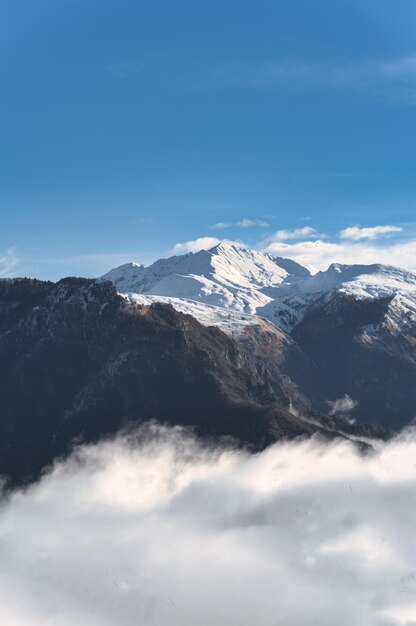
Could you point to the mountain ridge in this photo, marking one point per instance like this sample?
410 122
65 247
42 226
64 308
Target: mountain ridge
367 311
236 278
78 362
246 282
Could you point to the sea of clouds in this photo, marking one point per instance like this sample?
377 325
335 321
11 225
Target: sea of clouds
160 529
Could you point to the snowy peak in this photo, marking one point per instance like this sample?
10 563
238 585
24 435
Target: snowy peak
241 267
362 280
123 275
359 281
348 272
226 275
229 286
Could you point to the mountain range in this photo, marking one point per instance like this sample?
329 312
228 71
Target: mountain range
229 341
212 284
355 323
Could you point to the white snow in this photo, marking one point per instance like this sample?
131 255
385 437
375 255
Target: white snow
232 322
359 281
231 287
217 285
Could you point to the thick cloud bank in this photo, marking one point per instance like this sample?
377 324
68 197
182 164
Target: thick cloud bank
172 533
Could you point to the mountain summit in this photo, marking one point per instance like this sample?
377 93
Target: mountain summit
237 278
219 286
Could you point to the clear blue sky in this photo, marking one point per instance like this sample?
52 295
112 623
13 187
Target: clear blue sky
130 126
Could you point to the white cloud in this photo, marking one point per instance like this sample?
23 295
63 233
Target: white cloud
220 225
357 233
297 233
171 532
244 223
248 223
8 262
341 406
202 243
320 254
401 67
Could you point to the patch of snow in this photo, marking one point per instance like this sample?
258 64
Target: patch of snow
231 322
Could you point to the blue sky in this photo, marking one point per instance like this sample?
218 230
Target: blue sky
129 127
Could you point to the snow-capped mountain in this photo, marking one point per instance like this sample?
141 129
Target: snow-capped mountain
223 286
230 286
358 281
354 324
78 363
301 353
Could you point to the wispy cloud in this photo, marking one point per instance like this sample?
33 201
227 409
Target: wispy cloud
248 223
357 233
265 74
202 243
316 250
394 78
8 262
244 223
221 225
194 245
320 254
341 406
298 233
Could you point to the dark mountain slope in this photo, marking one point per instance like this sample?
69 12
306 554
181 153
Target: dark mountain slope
79 361
359 351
